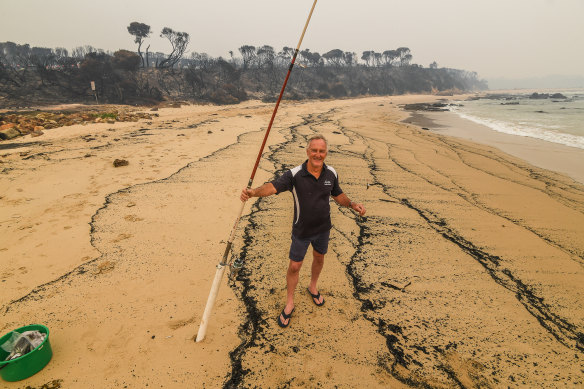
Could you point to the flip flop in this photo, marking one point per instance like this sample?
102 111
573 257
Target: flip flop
288 316
315 297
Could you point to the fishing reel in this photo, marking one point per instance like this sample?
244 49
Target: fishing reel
234 267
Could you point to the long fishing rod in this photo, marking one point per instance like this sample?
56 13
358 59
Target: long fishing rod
221 266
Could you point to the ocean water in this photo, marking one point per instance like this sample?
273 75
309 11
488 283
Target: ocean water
555 120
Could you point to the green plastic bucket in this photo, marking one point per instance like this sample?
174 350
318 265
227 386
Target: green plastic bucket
29 364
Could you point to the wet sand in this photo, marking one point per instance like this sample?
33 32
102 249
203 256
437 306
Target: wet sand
546 155
466 271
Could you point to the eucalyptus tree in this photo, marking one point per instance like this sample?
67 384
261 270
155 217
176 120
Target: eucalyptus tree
248 53
368 57
350 58
335 57
389 56
284 57
179 42
139 31
405 56
265 56
312 59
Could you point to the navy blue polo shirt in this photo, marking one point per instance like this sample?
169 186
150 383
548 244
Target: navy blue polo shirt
312 212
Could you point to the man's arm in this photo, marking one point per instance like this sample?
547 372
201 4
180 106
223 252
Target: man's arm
267 189
344 201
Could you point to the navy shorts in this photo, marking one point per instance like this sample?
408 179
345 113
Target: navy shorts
299 246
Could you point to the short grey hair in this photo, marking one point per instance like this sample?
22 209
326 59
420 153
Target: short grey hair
317 136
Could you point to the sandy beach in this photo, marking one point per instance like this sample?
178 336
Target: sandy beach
467 270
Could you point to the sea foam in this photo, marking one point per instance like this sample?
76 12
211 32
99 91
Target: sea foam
525 120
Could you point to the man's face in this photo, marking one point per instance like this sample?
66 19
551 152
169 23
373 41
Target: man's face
316 152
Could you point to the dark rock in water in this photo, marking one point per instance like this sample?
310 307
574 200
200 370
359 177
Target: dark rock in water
496 96
558 96
511 103
434 107
120 162
540 112
539 96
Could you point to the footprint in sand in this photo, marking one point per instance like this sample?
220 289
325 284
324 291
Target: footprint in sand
105 267
133 218
121 237
73 196
176 324
7 274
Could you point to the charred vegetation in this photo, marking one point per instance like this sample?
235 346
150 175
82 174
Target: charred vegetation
32 76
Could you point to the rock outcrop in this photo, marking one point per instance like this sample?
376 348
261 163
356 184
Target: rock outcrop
16 124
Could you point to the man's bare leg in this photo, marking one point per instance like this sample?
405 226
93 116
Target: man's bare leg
291 282
317 265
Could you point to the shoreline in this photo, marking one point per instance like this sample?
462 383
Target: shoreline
543 154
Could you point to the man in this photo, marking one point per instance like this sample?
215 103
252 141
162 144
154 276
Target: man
311 184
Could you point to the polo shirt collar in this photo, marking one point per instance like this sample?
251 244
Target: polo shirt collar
305 171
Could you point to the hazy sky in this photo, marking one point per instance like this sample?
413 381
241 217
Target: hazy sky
496 38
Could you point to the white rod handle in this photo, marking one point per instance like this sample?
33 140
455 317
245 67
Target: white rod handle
210 303
217 282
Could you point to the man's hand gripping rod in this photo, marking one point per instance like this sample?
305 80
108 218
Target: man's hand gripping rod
224 262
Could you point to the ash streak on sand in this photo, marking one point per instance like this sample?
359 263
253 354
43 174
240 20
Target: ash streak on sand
313 349
466 272
442 346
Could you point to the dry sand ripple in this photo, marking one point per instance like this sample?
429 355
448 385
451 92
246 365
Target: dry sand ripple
466 272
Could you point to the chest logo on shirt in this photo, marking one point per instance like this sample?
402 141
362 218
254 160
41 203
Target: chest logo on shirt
328 183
